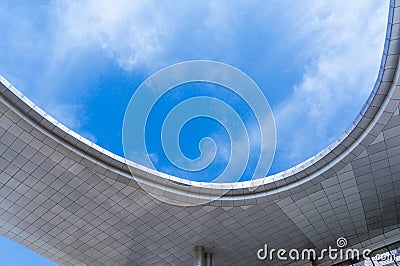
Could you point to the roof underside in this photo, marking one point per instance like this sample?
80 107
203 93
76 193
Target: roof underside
73 202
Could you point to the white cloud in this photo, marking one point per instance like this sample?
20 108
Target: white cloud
72 116
147 34
131 32
346 41
68 113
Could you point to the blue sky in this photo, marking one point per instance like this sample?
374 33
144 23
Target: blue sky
81 61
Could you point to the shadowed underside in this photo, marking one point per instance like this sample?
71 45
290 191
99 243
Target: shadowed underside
76 203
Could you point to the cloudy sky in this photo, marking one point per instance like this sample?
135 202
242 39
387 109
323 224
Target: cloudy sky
81 61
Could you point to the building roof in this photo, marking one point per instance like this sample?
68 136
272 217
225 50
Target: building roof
77 203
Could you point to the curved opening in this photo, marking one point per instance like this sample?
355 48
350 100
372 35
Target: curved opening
300 166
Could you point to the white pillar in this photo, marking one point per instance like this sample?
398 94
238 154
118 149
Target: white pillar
208 259
198 256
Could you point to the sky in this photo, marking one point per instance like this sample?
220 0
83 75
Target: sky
316 63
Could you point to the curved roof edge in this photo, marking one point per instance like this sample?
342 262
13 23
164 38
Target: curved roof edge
364 129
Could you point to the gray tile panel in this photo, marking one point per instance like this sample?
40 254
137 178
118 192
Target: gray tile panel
75 203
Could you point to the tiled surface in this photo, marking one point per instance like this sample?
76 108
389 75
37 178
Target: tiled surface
73 202
65 210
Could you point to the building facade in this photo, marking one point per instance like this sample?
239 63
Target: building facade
76 203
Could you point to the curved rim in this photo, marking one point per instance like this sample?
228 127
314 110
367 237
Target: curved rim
323 164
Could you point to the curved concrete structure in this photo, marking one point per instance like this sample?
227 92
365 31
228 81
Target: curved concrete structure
76 203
